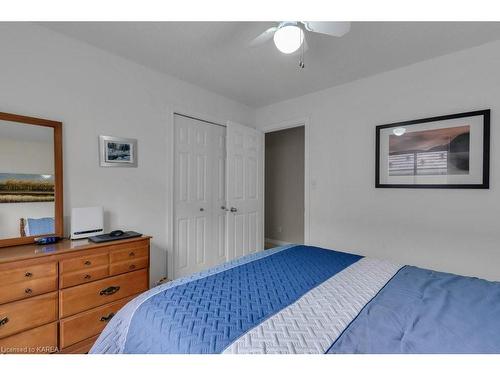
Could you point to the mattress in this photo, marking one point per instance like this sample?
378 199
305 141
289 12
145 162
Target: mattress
305 300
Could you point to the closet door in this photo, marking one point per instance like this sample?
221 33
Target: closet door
199 223
245 190
219 255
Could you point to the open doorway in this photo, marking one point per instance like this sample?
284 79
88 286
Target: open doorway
284 186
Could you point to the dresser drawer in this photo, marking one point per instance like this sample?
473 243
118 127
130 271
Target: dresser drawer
82 277
20 274
128 265
30 313
17 291
41 340
89 323
83 297
83 263
129 252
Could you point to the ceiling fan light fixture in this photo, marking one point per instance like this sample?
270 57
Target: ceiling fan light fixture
288 39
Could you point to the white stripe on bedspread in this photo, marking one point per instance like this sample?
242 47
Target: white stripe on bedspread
316 320
114 336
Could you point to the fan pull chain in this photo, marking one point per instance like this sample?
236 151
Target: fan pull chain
302 65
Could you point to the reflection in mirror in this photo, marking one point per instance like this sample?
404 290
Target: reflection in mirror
26 180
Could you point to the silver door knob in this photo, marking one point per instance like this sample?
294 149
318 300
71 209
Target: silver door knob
233 209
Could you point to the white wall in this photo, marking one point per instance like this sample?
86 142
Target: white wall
19 154
45 74
451 230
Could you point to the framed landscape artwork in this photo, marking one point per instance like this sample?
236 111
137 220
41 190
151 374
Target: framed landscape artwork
26 188
438 152
117 152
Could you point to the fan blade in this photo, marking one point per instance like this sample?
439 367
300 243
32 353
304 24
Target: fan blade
264 37
329 28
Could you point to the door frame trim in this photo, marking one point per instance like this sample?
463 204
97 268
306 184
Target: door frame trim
289 124
170 141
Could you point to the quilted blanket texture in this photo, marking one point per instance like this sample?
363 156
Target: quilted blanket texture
302 299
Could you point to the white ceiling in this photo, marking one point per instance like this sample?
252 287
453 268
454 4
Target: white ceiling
216 55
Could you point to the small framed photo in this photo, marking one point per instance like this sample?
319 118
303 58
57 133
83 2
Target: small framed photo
451 151
117 152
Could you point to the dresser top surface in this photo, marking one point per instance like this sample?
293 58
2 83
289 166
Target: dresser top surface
31 251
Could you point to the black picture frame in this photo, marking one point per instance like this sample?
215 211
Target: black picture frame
485 184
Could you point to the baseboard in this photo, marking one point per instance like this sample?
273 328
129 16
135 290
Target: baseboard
276 242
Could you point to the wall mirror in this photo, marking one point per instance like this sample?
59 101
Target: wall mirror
31 194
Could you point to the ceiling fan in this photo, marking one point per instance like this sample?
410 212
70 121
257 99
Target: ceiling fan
289 36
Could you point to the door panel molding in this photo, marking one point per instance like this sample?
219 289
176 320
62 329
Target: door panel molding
245 190
197 197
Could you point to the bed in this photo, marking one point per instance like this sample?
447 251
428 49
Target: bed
302 300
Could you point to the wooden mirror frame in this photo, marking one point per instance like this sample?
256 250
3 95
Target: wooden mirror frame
58 175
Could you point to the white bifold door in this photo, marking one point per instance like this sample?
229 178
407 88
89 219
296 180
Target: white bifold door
218 196
199 194
244 190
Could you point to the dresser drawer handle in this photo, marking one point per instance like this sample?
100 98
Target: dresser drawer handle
28 291
87 277
131 267
87 263
109 290
131 254
4 321
107 318
28 274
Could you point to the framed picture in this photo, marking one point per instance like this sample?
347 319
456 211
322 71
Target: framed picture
450 151
22 187
117 152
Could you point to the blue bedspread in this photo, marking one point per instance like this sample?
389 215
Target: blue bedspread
301 299
422 311
206 315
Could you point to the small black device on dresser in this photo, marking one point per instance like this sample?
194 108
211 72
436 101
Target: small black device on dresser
114 235
46 240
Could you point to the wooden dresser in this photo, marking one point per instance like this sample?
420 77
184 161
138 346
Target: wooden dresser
58 298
